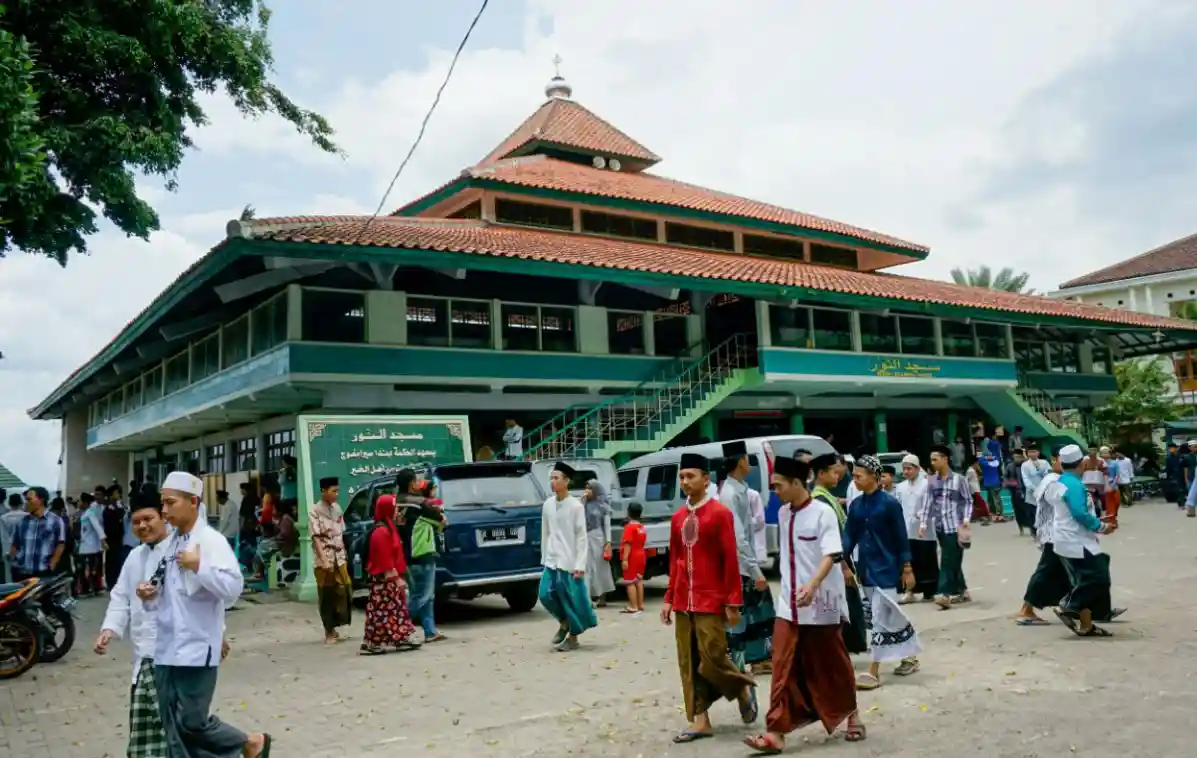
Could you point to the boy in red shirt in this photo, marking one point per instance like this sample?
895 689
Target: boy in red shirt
633 558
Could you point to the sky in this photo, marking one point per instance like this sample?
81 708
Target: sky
1055 138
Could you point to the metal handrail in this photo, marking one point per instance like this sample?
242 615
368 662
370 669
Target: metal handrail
656 378
631 415
1041 402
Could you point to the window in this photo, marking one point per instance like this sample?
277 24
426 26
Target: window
669 334
246 454
1064 357
826 255
189 461
359 509
774 247
700 236
278 445
631 227
1030 356
878 334
832 329
991 341
216 461
269 324
205 357
661 483
534 214
1183 368
427 322
627 482
133 396
334 316
790 327
625 333
473 210
178 372
958 341
434 322
918 335
535 327
153 384
116 404
469 324
235 342
1101 359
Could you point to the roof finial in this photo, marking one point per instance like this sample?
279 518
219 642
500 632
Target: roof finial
558 88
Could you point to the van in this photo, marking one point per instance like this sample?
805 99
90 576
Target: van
653 481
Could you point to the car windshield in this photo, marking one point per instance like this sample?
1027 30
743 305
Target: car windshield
502 491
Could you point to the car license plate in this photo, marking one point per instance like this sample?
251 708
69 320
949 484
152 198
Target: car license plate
495 536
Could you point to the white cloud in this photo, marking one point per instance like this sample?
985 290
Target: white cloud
886 115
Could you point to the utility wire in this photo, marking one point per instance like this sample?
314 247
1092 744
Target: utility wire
424 124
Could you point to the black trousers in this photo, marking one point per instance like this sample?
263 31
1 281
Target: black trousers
113 560
924 560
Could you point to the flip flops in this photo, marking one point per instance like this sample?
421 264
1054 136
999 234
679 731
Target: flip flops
1032 621
763 744
689 735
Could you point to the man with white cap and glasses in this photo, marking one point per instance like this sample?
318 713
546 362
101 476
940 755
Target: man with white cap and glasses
1074 533
924 550
196 578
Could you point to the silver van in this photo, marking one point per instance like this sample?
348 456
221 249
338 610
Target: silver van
652 480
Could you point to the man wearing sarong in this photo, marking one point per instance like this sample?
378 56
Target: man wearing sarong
197 577
825 470
946 512
812 674
334 589
563 552
877 525
1033 471
924 553
1074 535
127 616
749 641
704 588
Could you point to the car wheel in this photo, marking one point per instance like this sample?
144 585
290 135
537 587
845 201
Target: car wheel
522 597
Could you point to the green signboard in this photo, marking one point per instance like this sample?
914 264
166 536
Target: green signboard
357 449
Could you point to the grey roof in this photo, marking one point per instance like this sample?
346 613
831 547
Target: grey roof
9 480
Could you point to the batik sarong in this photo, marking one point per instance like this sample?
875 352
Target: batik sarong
813 678
147 737
334 594
388 622
567 599
891 635
706 668
750 641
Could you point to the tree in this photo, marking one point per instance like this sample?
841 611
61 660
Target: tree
1146 396
116 86
1005 280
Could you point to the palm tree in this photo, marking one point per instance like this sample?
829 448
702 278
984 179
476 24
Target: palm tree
1006 280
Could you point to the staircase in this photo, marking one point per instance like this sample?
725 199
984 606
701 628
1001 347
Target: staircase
1039 415
653 413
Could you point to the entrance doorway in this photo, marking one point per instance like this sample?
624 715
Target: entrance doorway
728 315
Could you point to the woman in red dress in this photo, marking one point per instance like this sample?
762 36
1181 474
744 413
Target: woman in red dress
388 622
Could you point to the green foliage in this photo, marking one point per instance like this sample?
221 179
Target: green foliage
1146 396
113 86
1005 280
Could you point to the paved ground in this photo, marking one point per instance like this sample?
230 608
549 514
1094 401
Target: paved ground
987 688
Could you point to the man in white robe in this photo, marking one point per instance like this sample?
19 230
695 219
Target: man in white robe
563 553
189 592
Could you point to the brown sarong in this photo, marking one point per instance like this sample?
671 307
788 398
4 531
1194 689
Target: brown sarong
708 673
813 679
334 594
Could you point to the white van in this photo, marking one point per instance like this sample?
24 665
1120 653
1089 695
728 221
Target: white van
652 481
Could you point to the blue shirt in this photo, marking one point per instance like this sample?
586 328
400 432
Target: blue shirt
991 475
877 525
35 539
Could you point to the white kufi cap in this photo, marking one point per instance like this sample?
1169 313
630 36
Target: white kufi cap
181 481
1071 454
910 459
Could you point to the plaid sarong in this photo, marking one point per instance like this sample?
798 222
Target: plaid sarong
147 737
751 640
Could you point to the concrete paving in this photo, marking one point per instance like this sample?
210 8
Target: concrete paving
986 688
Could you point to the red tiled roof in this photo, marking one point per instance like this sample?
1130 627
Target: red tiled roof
566 123
547 173
480 238
1174 256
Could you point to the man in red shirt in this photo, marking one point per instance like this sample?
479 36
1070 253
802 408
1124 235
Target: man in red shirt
704 589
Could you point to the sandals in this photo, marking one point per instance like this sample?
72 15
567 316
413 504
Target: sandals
1067 619
764 744
267 742
907 667
1032 621
689 735
371 651
867 682
1093 631
855 732
1114 614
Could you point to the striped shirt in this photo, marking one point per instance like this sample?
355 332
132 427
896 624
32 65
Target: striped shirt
947 504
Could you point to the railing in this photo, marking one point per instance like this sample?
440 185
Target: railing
1061 416
640 416
535 438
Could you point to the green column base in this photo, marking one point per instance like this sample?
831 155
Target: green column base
797 423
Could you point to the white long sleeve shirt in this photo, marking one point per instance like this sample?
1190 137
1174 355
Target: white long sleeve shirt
1032 472
563 543
127 616
734 495
757 506
191 604
513 438
91 530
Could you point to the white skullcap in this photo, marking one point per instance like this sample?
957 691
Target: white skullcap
1104 449
911 459
850 459
181 481
1071 454
1191 442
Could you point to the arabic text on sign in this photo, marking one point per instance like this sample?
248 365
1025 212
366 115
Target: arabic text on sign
901 368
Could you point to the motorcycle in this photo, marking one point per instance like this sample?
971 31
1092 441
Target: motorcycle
53 613
20 636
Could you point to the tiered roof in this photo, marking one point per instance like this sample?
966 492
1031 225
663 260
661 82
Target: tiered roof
1179 255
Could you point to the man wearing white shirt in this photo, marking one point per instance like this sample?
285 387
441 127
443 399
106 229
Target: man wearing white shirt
513 440
924 552
188 594
563 553
1033 471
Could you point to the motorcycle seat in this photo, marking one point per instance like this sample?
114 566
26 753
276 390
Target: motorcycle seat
10 589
